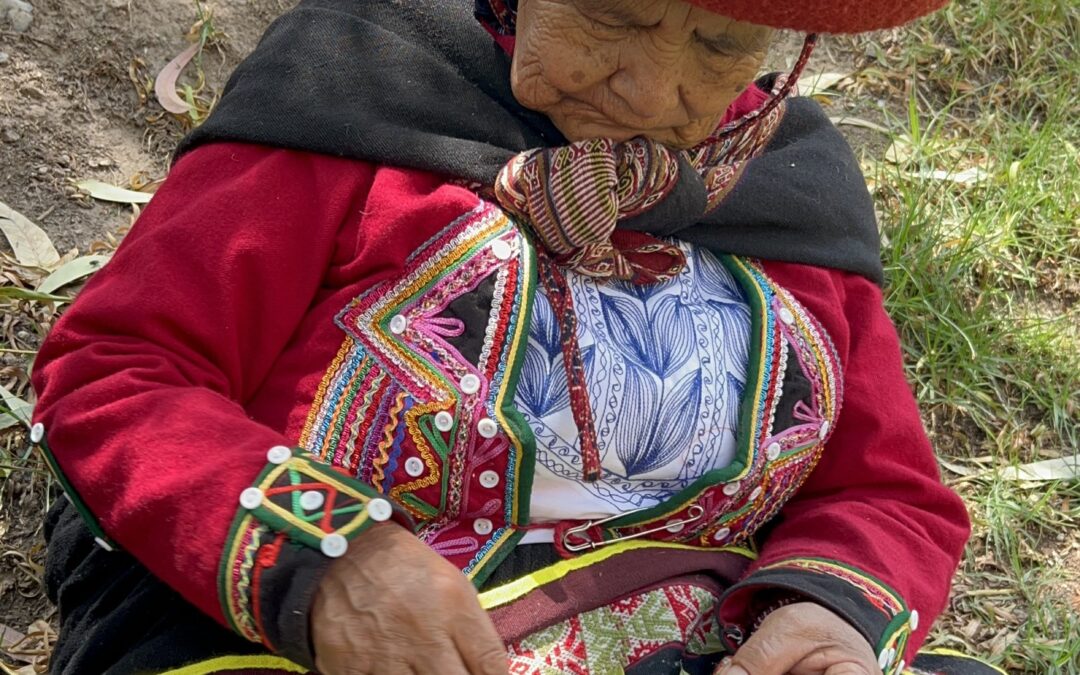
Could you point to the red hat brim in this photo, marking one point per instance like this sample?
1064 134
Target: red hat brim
823 16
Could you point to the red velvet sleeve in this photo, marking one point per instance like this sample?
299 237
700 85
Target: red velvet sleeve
141 384
873 533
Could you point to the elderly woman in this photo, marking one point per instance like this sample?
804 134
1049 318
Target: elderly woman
540 333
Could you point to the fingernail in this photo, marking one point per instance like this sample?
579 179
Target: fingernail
728 667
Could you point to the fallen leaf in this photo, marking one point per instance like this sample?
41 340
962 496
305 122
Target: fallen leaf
27 294
31 245
1061 468
967 177
112 193
165 84
16 410
900 151
72 271
813 84
860 122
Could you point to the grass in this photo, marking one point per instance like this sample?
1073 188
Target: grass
984 285
984 280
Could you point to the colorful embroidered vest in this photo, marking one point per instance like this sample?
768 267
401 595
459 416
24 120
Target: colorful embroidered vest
419 403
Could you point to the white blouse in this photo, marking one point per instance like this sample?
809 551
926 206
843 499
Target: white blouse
665 366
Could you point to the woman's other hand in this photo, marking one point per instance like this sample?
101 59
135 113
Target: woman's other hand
392 606
803 638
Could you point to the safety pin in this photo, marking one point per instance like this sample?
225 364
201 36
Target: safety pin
695 513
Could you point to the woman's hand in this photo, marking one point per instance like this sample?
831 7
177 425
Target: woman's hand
392 606
803 638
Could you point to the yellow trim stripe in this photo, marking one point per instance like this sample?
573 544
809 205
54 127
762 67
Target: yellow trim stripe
224 664
944 651
514 590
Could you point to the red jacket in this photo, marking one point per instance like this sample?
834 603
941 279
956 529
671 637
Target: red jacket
209 336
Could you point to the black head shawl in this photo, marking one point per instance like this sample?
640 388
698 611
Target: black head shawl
421 84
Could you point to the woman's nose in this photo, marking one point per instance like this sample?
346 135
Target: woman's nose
649 87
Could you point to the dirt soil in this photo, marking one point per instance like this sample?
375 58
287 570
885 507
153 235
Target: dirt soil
70 110
74 104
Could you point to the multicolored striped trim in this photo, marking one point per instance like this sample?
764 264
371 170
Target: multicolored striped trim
870 605
309 503
393 409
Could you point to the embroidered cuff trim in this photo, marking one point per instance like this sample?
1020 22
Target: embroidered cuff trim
295 500
874 609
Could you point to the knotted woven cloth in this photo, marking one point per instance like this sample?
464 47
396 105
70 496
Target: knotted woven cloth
573 196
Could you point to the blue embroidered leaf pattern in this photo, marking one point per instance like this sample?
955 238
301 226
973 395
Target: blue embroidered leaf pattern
675 424
637 420
672 336
715 283
628 326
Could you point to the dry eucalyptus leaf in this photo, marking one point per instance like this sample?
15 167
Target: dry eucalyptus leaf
31 245
165 83
72 271
813 84
1061 468
112 193
13 410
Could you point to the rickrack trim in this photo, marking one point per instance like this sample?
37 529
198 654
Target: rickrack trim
308 502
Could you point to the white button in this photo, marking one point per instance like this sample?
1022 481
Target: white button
444 421
251 498
482 526
37 432
675 526
913 620
731 488
773 451
722 534
501 249
279 454
900 667
756 493
398 324
334 545
311 500
489 479
823 430
103 544
379 510
883 659
470 384
786 316
414 466
487 428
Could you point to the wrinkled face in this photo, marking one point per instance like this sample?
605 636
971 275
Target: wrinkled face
664 69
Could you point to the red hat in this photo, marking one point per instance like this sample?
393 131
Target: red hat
823 16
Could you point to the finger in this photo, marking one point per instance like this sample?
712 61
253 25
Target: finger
439 658
771 650
479 644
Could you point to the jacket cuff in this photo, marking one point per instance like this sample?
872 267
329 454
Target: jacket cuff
292 522
869 605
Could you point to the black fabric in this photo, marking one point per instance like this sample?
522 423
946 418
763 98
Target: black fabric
421 84
116 618
473 309
796 388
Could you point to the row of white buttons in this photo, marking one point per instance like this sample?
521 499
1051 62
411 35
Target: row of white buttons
888 656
